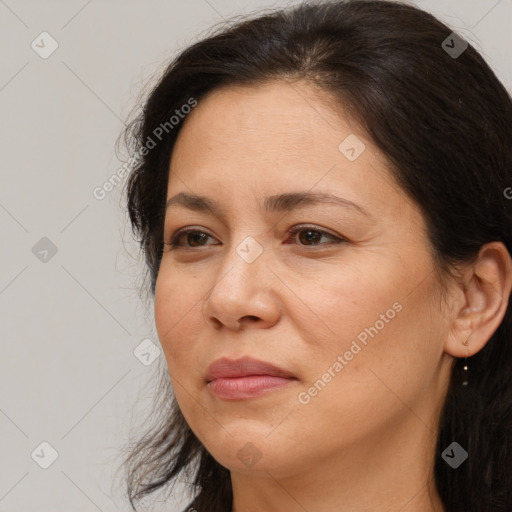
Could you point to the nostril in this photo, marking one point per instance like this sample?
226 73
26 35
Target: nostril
217 323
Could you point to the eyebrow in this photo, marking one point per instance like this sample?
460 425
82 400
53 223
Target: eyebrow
276 203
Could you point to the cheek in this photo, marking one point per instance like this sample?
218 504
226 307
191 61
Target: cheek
377 321
347 302
377 381
178 316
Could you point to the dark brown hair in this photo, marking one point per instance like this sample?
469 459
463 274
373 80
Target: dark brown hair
444 123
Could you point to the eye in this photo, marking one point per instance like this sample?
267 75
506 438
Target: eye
311 236
194 237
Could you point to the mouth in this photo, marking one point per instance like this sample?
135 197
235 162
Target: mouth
245 378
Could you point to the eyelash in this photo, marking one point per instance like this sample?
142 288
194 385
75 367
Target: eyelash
291 232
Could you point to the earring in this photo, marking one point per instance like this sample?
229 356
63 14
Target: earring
465 368
465 377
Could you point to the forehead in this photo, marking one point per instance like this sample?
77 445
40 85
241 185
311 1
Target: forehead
244 141
257 120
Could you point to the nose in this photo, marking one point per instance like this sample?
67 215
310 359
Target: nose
243 295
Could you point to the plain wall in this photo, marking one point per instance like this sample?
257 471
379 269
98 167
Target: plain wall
71 320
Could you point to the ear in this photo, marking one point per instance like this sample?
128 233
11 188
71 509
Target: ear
481 301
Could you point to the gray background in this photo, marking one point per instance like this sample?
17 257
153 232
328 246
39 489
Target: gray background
71 320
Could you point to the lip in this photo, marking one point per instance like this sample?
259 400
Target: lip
244 378
225 368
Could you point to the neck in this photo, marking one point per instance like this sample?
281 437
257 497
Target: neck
393 472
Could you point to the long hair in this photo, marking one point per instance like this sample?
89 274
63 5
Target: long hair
444 123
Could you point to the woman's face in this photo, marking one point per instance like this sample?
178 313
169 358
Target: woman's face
348 306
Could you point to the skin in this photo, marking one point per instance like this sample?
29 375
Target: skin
366 441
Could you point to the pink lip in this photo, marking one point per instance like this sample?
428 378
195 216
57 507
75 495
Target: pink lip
244 378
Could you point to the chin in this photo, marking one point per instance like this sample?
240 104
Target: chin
250 450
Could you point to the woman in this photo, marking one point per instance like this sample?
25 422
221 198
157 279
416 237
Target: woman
320 196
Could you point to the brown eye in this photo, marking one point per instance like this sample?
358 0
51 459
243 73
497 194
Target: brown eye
193 238
307 237
310 236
